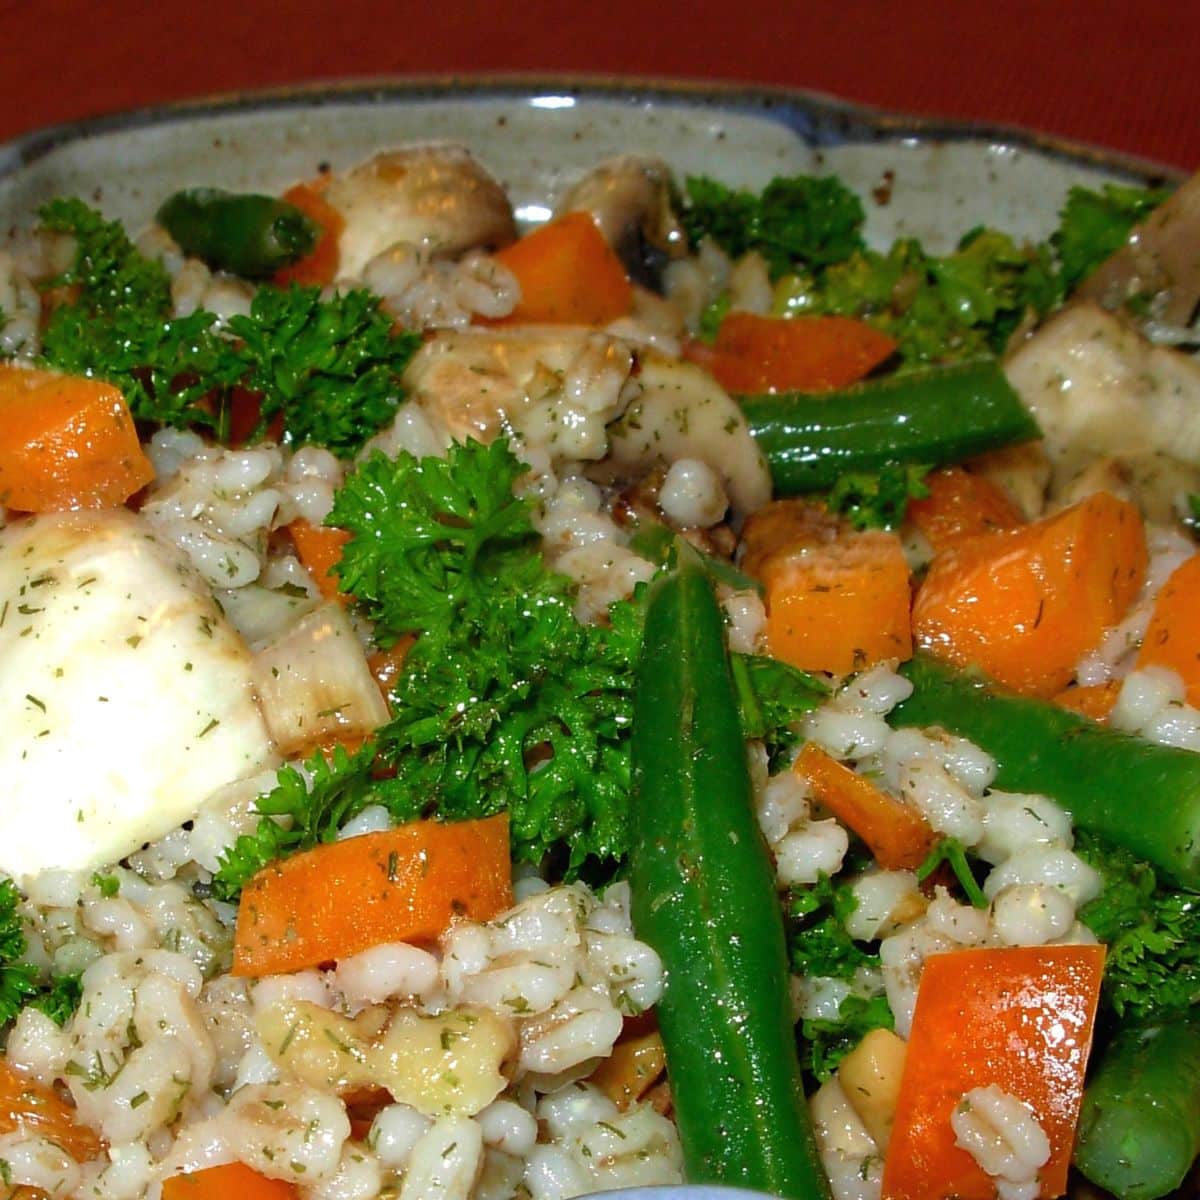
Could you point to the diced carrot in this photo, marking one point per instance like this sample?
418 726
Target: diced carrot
66 442
1173 635
320 265
772 534
1025 604
1094 700
568 274
632 1069
961 504
1018 1018
32 1110
840 606
896 833
808 354
234 1181
319 548
402 884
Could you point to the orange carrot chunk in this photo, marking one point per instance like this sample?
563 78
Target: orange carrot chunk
807 354
1093 700
568 274
234 1181
319 548
1025 604
896 833
1173 636
320 265
960 504
402 884
1018 1018
840 606
66 442
32 1110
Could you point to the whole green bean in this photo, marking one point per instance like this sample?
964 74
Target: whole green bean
1139 1129
250 235
704 897
930 417
1137 794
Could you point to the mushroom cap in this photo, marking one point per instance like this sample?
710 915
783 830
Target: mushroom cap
629 198
434 195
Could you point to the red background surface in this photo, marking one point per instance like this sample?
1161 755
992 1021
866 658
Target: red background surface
1112 72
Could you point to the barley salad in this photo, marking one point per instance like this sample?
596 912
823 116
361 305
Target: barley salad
673 693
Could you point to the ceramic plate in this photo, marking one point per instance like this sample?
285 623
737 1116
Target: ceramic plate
929 178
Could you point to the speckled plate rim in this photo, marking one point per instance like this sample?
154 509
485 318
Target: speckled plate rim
817 118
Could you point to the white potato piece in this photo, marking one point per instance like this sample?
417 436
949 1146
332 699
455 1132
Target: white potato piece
125 695
680 411
314 683
1098 387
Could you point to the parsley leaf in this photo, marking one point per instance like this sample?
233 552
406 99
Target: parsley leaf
1153 935
827 1042
773 695
18 980
943 309
951 851
878 501
60 998
818 943
107 268
313 806
1093 225
804 220
19 983
329 368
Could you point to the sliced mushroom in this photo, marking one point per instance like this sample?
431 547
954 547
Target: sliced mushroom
630 199
1159 264
434 196
1100 389
680 411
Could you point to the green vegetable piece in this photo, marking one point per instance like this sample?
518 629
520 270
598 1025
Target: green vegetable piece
1139 1128
250 235
928 418
704 898
1136 794
1093 225
800 220
879 501
19 983
954 308
657 543
1152 933
952 852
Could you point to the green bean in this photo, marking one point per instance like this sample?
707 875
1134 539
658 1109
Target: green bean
928 417
1139 795
1139 1129
704 897
250 235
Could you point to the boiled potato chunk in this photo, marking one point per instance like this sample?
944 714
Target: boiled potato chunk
125 695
